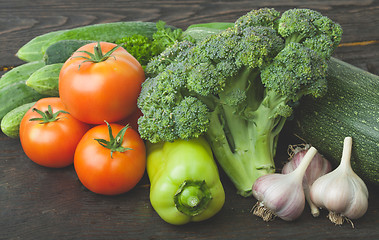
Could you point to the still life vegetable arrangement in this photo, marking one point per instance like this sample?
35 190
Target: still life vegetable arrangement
182 105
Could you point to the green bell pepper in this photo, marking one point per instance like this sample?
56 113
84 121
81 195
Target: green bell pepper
185 183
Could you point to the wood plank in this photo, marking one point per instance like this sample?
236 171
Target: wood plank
23 20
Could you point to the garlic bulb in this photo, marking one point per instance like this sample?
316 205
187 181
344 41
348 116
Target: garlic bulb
318 167
341 191
282 195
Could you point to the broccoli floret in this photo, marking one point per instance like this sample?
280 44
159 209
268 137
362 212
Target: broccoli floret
191 118
237 87
298 71
267 44
158 63
266 17
304 25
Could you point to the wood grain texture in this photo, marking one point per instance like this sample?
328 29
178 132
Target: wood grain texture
41 203
22 20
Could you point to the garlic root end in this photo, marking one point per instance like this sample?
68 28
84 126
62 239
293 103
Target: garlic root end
261 211
338 219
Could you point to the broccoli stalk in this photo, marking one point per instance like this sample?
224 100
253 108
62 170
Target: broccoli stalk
238 87
245 148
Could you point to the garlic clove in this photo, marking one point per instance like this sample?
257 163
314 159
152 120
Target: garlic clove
293 205
285 197
317 167
341 191
281 195
360 199
331 186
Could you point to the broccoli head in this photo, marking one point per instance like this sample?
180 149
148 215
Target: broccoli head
237 87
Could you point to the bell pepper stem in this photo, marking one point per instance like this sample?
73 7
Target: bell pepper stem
192 197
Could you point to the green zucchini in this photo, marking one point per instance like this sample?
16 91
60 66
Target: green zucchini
202 30
15 95
350 108
10 124
60 51
109 32
20 73
212 25
46 80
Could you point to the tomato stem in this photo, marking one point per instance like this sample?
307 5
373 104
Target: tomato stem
98 55
114 143
47 116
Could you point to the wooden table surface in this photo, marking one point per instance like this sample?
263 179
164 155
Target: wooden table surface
42 203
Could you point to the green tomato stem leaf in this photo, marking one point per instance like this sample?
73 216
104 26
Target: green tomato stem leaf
114 143
98 55
47 116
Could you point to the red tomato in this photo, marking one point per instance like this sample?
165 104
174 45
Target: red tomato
102 91
108 173
51 144
132 119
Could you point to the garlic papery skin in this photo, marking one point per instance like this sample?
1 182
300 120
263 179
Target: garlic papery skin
318 167
341 191
281 195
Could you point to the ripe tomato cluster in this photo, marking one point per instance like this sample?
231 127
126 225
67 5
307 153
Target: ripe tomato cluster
93 122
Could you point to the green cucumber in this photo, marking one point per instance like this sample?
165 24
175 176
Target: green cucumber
13 90
15 95
10 124
60 51
46 80
31 51
350 108
20 73
109 32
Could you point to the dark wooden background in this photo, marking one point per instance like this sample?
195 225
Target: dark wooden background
41 203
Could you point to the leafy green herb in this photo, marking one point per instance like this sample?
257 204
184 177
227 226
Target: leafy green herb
144 48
